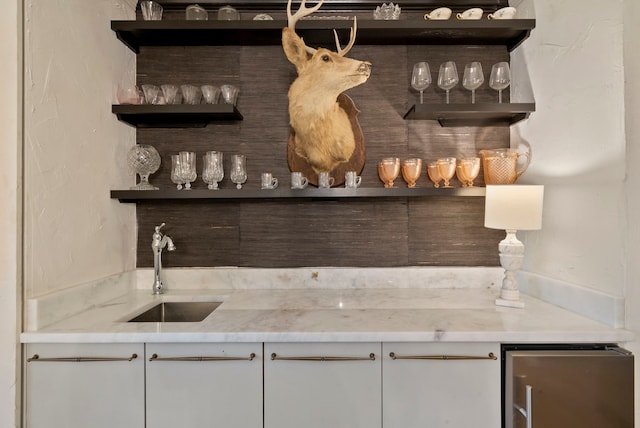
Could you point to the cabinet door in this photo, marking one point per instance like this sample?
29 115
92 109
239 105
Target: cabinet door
207 384
320 385
84 385
439 385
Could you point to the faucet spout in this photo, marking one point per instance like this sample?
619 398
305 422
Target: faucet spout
158 243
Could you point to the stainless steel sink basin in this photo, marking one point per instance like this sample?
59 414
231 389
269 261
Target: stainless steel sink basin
177 312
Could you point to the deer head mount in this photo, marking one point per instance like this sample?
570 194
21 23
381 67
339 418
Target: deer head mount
323 133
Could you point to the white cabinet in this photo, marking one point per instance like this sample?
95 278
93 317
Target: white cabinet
206 384
84 385
438 385
320 385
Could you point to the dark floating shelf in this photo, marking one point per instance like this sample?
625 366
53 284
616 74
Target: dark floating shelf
175 115
472 114
286 193
508 33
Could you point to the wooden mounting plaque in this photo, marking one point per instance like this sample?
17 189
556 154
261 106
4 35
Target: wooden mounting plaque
356 161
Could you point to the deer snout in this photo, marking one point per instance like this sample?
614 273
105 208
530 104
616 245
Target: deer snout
365 68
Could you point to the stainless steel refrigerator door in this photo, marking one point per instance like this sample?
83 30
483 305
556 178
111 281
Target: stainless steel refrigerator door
569 388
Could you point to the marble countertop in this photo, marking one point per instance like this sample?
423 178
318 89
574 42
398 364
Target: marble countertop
322 315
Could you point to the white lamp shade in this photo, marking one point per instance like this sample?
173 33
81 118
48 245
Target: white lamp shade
513 207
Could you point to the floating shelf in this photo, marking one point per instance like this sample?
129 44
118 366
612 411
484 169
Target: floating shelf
509 33
286 193
175 115
472 114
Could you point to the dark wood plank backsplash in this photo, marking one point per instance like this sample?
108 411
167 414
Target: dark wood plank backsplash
386 232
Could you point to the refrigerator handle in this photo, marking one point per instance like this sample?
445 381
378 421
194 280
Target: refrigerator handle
526 412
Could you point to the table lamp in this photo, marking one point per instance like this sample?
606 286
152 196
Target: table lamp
512 207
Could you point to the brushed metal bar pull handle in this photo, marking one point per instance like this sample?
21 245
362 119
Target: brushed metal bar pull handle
490 356
371 357
527 413
155 357
36 358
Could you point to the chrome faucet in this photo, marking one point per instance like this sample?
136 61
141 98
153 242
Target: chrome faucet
158 242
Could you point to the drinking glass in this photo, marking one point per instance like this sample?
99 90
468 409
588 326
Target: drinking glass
176 171
229 94
448 77
238 170
421 78
210 93
446 169
151 11
172 94
473 78
188 168
463 179
191 94
500 78
434 174
470 169
213 171
388 171
411 170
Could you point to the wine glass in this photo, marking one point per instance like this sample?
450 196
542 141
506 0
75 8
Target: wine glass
388 171
462 178
411 170
421 78
470 169
446 169
188 168
473 78
448 77
143 160
212 171
238 170
434 174
500 78
176 171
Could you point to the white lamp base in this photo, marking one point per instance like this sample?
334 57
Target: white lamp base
511 256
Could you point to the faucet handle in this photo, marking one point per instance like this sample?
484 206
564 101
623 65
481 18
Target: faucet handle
159 227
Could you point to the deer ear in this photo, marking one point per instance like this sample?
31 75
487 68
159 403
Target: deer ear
294 48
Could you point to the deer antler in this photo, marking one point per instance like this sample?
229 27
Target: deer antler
292 19
301 13
352 38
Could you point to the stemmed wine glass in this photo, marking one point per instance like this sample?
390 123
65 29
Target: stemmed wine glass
500 78
473 78
176 171
470 169
188 168
446 169
388 171
421 78
448 77
411 170
212 171
238 170
434 174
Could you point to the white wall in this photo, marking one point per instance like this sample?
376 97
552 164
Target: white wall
632 103
575 62
75 150
10 133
